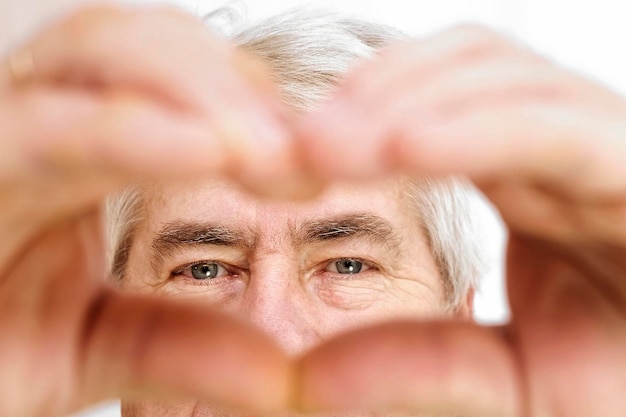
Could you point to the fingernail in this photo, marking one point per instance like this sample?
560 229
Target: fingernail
263 157
268 133
248 135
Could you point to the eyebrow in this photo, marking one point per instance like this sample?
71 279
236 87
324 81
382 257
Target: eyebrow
353 225
181 234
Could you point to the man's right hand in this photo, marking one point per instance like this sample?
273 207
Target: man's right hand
117 95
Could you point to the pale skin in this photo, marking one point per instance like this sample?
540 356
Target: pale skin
285 266
547 147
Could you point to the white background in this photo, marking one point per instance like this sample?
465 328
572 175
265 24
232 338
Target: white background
585 35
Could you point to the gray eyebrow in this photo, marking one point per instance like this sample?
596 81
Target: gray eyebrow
180 234
365 225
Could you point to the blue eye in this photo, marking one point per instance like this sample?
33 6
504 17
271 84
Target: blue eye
205 270
346 266
202 271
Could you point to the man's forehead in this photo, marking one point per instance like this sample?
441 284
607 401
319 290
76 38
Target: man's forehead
221 213
223 200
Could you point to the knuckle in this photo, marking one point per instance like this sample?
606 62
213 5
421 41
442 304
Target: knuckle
34 148
475 30
90 24
170 11
115 116
352 85
166 17
477 41
477 36
86 17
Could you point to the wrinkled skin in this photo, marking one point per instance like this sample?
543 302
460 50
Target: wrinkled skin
546 146
278 264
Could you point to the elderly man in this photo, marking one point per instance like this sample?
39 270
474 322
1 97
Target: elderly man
358 298
358 254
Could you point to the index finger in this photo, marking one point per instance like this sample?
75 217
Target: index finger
164 54
159 50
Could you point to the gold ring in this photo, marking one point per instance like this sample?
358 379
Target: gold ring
21 66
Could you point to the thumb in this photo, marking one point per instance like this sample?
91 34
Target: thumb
139 345
67 340
450 368
144 346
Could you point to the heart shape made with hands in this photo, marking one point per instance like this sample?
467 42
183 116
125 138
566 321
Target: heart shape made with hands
475 104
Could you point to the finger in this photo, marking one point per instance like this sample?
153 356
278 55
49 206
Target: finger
449 368
185 66
537 141
52 133
366 106
106 44
138 347
421 61
528 145
368 133
535 122
82 342
494 82
569 304
61 152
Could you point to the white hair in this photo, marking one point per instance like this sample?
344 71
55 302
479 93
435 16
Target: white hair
308 53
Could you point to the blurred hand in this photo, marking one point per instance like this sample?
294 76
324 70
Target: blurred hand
548 149
109 96
119 95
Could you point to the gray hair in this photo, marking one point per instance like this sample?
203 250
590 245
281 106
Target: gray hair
308 53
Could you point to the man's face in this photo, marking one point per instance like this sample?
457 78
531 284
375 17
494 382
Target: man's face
302 271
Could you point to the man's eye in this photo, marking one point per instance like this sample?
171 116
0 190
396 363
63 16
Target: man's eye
204 270
346 266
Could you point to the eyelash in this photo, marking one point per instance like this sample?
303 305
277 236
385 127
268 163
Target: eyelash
234 272
371 267
178 272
